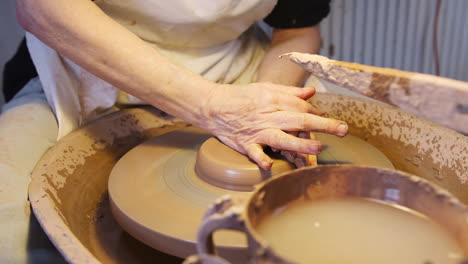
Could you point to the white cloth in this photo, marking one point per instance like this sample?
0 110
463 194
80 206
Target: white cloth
213 38
27 129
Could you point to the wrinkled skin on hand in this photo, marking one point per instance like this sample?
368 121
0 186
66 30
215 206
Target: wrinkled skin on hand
299 159
249 117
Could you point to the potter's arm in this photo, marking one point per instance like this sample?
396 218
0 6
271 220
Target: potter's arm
279 71
253 116
80 31
285 72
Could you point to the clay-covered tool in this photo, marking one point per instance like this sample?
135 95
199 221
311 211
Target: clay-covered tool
438 99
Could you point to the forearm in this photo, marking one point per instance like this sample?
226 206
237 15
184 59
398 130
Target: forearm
282 71
80 31
255 114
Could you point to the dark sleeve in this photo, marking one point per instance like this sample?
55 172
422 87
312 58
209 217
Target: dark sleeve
18 71
298 13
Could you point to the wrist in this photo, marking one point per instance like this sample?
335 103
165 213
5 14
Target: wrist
204 105
190 93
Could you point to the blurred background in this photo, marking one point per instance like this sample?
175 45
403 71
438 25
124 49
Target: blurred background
11 34
427 36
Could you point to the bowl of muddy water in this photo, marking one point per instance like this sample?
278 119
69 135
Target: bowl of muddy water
342 214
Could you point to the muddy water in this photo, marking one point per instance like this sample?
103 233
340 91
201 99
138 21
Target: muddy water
356 230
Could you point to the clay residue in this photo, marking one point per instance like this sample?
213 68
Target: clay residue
72 177
356 80
233 170
111 244
379 87
432 97
420 143
412 144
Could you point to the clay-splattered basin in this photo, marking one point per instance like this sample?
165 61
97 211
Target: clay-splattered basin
68 191
326 183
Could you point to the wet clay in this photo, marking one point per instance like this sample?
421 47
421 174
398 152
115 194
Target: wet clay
356 230
350 150
68 192
226 168
163 200
171 178
69 184
319 201
412 144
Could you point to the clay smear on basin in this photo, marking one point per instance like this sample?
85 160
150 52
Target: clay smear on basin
435 98
69 188
356 230
414 145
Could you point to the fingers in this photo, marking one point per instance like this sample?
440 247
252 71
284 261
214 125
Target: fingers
288 155
311 160
306 93
316 110
298 159
301 159
306 135
294 104
255 152
303 93
290 121
278 139
293 98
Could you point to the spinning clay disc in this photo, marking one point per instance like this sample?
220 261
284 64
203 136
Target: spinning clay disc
157 196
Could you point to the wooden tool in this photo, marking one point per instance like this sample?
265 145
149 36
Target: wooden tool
438 99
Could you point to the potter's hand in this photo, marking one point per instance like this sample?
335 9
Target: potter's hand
248 117
299 159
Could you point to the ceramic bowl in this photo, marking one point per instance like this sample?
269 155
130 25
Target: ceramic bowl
330 182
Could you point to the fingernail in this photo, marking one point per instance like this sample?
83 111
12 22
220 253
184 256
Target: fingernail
319 111
342 129
309 89
267 164
318 146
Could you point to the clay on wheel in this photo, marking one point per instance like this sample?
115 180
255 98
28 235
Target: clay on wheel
157 197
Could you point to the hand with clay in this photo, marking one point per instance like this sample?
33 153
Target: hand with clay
297 158
248 117
284 72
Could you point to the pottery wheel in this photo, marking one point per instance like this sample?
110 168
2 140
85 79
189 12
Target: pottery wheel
159 197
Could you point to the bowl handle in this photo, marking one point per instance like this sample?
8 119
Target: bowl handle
225 213
205 259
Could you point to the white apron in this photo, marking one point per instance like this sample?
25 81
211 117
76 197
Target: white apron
214 38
